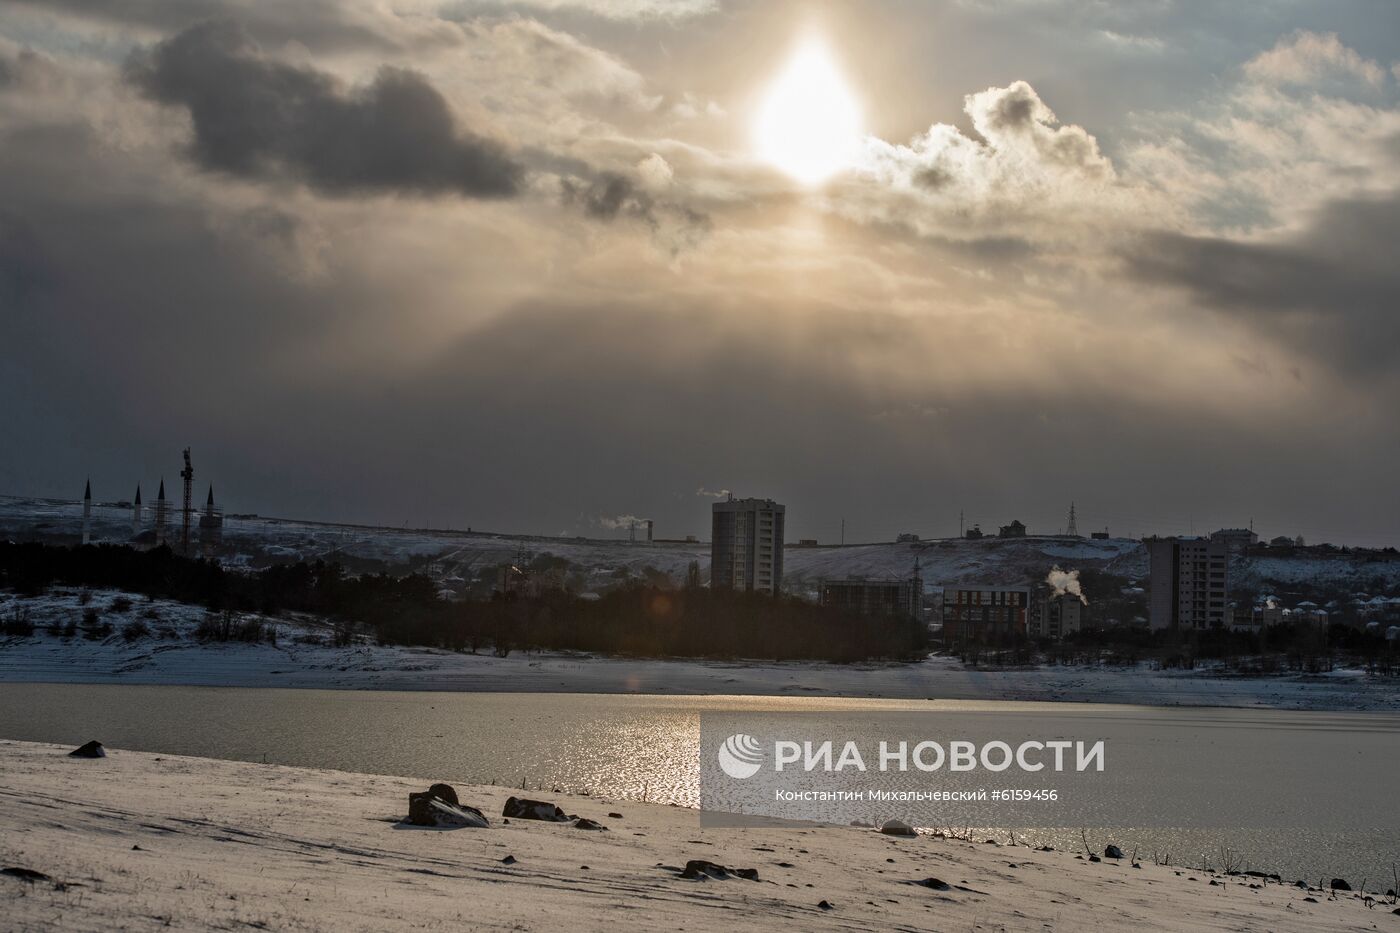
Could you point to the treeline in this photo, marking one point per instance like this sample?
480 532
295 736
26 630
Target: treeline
1289 647
650 621
639 620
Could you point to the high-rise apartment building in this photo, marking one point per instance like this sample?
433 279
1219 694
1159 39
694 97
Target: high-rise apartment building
1055 615
1189 583
746 545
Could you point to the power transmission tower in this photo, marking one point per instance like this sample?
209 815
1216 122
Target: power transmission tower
1073 529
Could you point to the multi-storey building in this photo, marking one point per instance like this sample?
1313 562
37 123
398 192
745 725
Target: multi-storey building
985 613
1189 583
746 545
1056 615
1237 541
898 598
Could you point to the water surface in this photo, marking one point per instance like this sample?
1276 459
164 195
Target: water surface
644 748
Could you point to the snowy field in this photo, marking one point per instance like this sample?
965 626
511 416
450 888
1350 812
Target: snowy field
138 841
303 657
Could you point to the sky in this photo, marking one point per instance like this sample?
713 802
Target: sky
528 266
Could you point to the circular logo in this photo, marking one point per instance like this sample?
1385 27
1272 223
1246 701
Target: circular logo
740 756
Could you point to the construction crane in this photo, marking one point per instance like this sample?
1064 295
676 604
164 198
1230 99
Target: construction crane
187 474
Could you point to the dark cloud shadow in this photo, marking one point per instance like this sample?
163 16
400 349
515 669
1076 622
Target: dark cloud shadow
1331 291
256 116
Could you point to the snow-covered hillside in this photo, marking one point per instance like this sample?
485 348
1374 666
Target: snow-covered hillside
460 559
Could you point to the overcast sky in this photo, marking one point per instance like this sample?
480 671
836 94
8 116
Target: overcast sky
517 265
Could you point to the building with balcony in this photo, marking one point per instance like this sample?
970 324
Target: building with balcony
746 545
1188 583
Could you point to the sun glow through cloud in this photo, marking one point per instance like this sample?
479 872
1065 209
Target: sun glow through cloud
808 124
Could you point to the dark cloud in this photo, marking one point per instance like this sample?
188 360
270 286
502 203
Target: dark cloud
1332 290
1016 108
934 178
610 195
317 24
23 67
256 116
1004 249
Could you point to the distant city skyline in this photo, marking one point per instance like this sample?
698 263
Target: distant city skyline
856 531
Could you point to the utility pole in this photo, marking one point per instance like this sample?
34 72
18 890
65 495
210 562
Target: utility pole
843 532
961 519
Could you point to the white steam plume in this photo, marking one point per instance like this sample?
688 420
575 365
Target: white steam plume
1065 581
620 521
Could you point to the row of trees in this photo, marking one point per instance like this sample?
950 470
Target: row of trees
1298 647
639 620
650 621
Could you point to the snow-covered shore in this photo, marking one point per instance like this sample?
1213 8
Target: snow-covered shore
379 668
301 658
137 841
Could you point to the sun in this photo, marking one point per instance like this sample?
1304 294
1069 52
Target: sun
808 124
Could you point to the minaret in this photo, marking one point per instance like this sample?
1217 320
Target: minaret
211 526
160 514
87 513
136 513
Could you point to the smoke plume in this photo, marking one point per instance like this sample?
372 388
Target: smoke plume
614 522
1065 581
